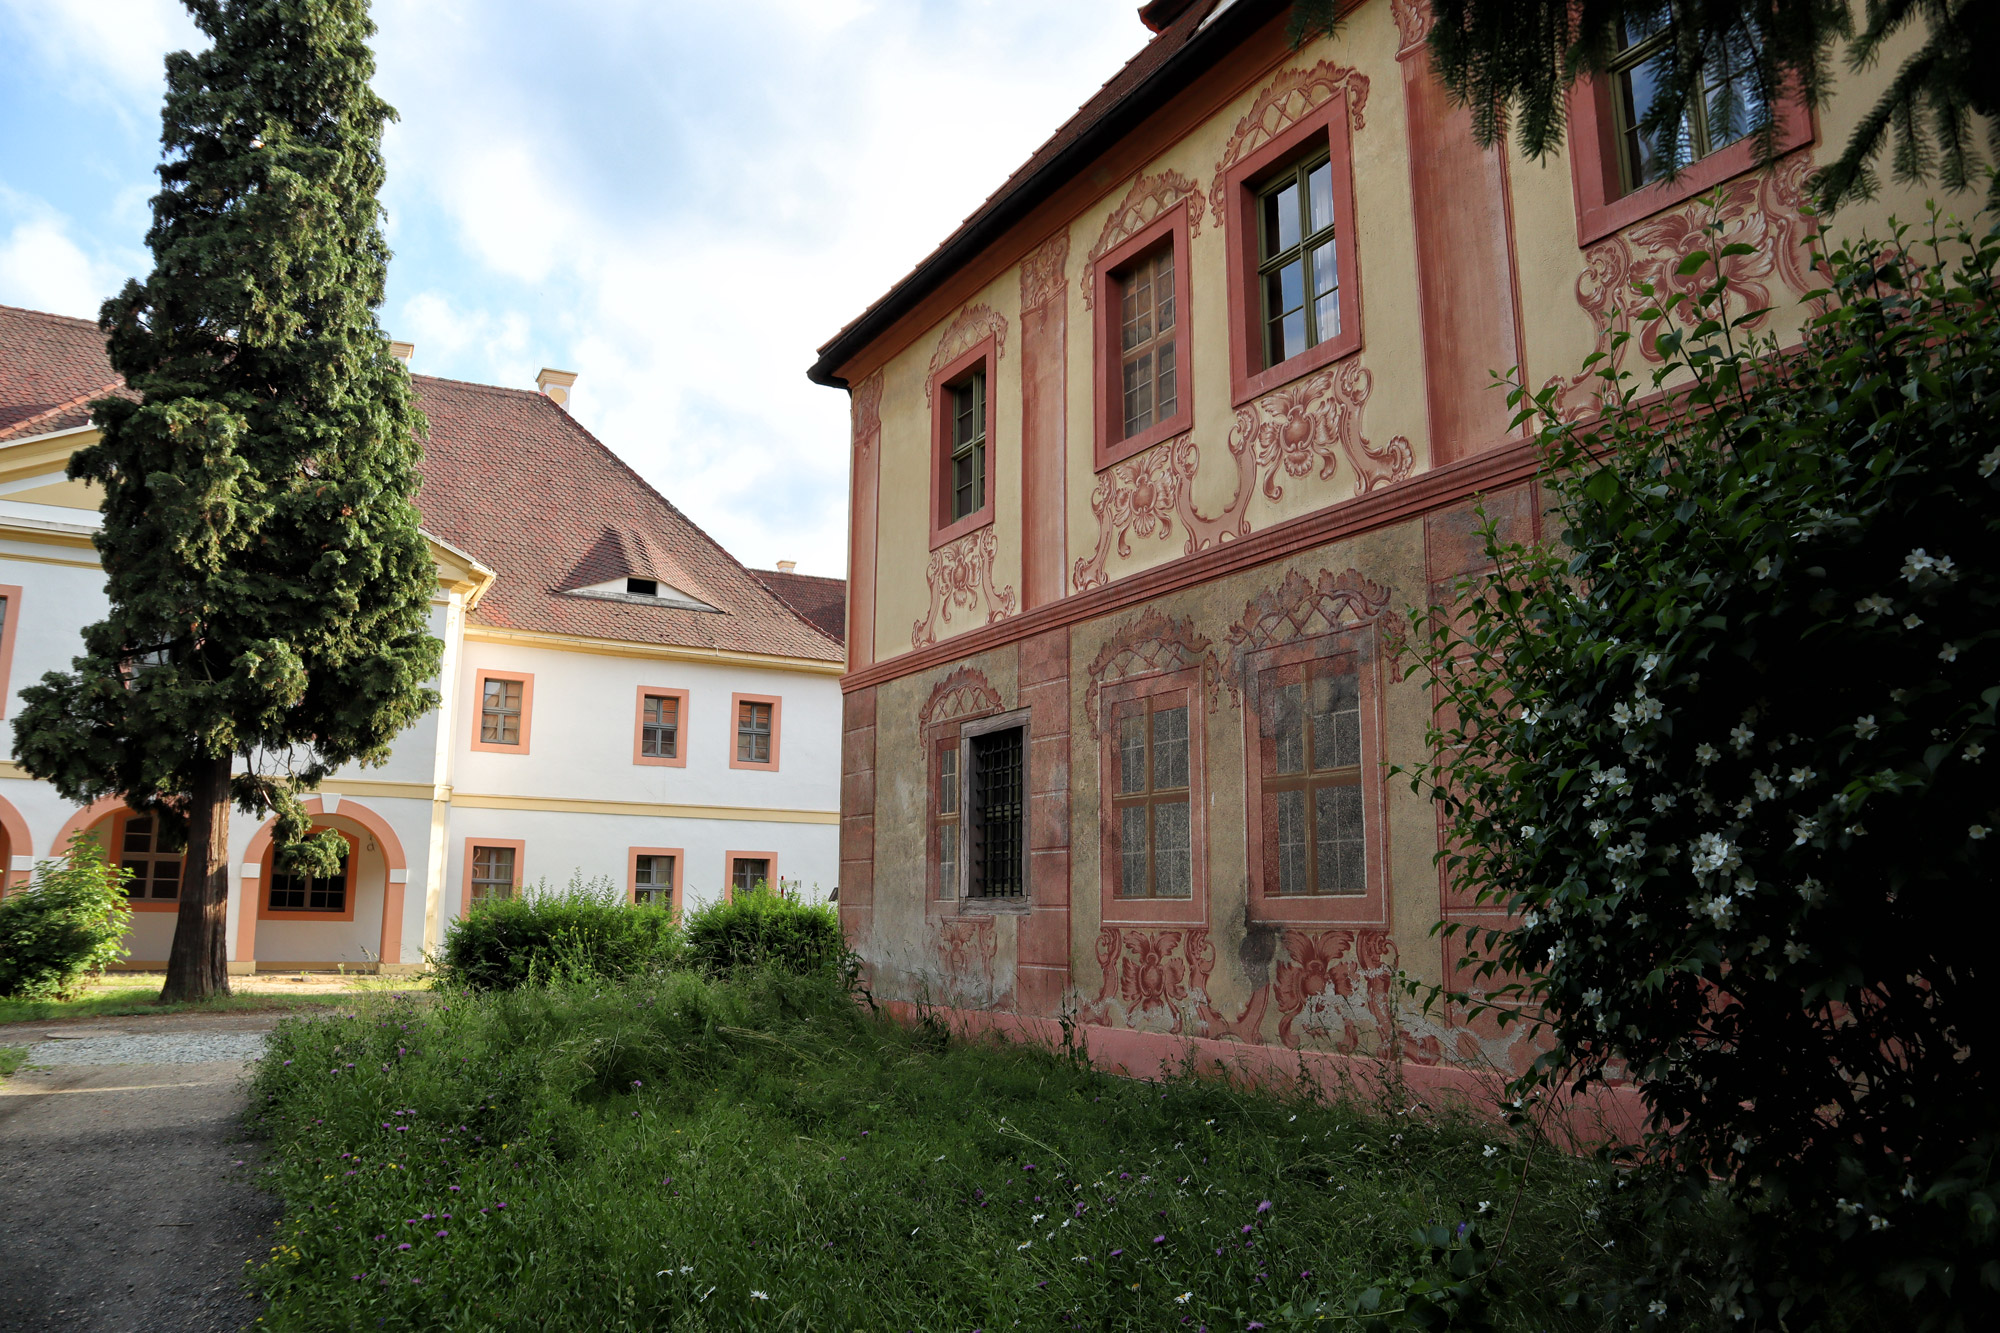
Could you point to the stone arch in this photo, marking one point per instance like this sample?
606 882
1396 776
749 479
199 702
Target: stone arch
19 842
83 819
396 865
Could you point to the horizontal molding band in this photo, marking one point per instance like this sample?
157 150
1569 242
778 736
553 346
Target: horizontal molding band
1504 465
658 652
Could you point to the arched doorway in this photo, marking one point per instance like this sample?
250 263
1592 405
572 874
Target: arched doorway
15 845
354 919
133 840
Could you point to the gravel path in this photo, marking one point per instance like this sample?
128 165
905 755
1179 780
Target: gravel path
126 1202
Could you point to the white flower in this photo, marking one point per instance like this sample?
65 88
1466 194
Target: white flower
1765 788
1973 751
1485 1205
759 1296
1528 833
1742 1145
1794 951
1621 713
1910 1187
1801 776
1877 605
1758 945
1740 736
1912 620
1184 1298
1706 754
1864 726
1990 463
1746 883
1036 1218
1763 567
1663 803
1977 832
1081 1259
1948 653
1713 852
1856 831
1657 1308
1649 664
1877 1222
1719 909
1916 564
1804 831
1743 808
1591 999
1849 1208
1598 828
1557 951
1026 1244
1529 717
1490 1151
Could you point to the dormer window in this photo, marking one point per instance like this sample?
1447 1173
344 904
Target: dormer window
643 587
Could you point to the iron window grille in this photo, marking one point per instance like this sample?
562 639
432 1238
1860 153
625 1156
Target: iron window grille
947 822
996 834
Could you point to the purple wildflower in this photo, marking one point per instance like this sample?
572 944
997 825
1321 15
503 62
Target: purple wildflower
1159 1240
443 1234
1263 1207
1116 1253
404 1246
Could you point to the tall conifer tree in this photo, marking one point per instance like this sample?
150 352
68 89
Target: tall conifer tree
269 586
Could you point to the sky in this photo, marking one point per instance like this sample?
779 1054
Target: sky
680 201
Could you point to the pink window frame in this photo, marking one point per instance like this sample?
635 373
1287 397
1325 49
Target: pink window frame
1325 127
520 867
777 714
944 529
729 860
1369 908
1598 182
680 758
632 855
12 593
478 709
1112 444
1114 700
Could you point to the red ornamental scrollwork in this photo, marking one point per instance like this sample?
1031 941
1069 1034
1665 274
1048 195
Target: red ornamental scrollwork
966 947
1311 423
971 326
1152 644
1142 497
1288 98
1155 979
965 692
1414 20
1299 608
960 575
865 412
1149 197
1043 272
1764 210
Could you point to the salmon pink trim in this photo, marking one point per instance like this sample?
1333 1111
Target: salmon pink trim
465 882
681 732
393 862
19 843
1598 184
632 856
986 352
736 701
729 860
269 862
1112 444
1247 378
12 594
478 709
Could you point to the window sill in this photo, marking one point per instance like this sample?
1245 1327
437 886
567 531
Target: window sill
1325 909
995 907
1293 369
971 523
1111 455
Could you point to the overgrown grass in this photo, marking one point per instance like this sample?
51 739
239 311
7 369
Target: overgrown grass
11 1059
754 1153
134 1001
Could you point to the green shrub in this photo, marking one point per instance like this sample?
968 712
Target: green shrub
1720 753
761 928
70 921
543 935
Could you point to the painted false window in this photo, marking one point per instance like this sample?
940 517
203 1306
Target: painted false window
749 874
152 857
1722 108
500 711
996 824
967 416
660 727
1152 802
947 822
492 873
1298 263
1310 733
1148 372
653 880
301 891
753 733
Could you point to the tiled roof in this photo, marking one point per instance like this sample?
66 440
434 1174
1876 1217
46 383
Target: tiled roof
509 477
51 366
822 601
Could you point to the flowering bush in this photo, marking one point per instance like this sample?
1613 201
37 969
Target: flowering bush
70 921
1720 751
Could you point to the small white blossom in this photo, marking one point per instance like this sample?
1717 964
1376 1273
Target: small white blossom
1916 564
1557 951
1621 713
1740 736
1657 1308
1977 832
1990 463
1529 717
1706 754
1864 726
1758 945
1649 664
1184 1298
1743 808
759 1295
1490 1151
1948 653
1910 1187
1663 803
1856 831
1720 909
1485 1204
1713 852
1877 1222
1849 1208
1877 605
1024 1245
1802 776
1912 620
1794 951
1598 828
1804 831
1764 566
1036 1218
1973 752
1592 998
1742 1145
1764 787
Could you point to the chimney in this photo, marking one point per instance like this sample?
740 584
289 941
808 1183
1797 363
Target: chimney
403 352
556 384
787 566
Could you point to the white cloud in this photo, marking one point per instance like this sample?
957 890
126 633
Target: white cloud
122 43
44 267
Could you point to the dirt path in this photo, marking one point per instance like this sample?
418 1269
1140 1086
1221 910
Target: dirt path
126 1201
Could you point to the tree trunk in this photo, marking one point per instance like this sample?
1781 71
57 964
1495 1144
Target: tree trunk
198 967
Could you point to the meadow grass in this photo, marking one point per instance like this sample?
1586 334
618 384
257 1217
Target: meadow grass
115 1001
760 1153
11 1059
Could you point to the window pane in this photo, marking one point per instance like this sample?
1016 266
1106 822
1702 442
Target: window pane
1291 842
1338 815
1326 284
751 871
1132 851
139 833
1138 393
1326 316
135 887
1170 748
1172 858
1136 306
1319 186
978 475
948 782
1165 391
1163 290
1288 730
1281 220
948 860
1132 753
166 878
1336 721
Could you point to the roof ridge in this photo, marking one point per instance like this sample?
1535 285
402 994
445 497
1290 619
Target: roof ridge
47 314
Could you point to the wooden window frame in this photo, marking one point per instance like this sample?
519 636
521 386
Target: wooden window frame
10 594
944 528
1325 130
1112 445
1115 701
736 701
520 867
674 892
639 756
527 683
941 889
268 868
970 729
1597 173
114 853
729 860
1370 907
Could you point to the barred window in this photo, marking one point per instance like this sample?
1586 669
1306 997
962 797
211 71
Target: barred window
996 833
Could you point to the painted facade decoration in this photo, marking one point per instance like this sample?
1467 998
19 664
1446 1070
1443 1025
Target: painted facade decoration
1196 630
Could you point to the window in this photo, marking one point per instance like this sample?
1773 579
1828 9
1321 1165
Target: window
968 445
660 727
10 607
153 856
1146 339
492 873
1312 779
1155 842
1724 109
506 701
643 587
947 821
996 824
749 873
1298 262
962 425
653 878
299 891
758 717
